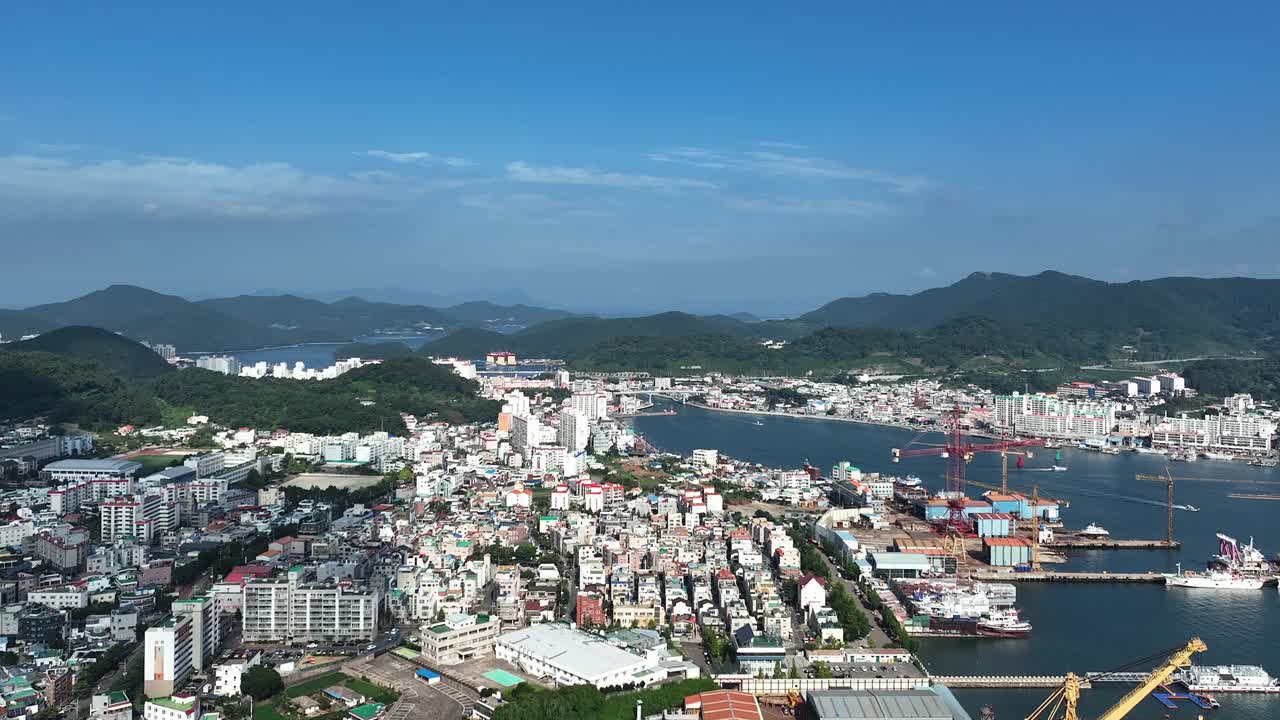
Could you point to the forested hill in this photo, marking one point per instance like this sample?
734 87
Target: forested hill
1159 318
117 354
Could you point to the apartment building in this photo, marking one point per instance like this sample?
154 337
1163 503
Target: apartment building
287 609
166 656
206 629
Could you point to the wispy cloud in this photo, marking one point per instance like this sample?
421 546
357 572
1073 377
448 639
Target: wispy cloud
171 187
528 208
778 164
418 158
832 207
520 171
926 272
781 145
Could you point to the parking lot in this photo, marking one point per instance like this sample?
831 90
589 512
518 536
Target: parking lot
418 700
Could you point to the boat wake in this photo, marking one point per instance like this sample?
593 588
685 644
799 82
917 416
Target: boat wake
1129 498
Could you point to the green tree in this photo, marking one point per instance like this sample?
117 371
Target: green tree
821 670
261 682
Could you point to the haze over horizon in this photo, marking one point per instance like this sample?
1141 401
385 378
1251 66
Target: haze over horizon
650 159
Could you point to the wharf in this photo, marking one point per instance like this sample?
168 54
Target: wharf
1081 543
1002 681
1071 577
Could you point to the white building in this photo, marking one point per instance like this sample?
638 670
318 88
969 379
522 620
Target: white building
65 597
286 609
226 676
560 498
574 657
206 625
591 405
1249 433
705 458
526 431
166 657
574 431
225 364
1049 416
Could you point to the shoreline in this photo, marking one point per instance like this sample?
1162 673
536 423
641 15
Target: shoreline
830 418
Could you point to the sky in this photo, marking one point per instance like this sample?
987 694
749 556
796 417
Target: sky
628 157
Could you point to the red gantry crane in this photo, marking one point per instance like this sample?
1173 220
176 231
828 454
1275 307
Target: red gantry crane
958 453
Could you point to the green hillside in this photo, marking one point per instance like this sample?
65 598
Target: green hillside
117 354
1084 317
573 336
64 389
363 400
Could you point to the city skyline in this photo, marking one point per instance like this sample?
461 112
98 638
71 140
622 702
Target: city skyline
601 163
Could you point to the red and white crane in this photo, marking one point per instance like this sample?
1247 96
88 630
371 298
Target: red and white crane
958 453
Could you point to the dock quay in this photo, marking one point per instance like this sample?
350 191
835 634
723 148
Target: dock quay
1075 577
1035 681
1109 544
1003 681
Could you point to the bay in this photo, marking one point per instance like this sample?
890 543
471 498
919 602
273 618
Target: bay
1081 628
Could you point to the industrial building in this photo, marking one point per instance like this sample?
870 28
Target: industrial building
1006 551
899 565
574 657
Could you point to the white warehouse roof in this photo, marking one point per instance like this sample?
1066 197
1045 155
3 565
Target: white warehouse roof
576 652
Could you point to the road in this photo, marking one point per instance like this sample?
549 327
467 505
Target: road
878 635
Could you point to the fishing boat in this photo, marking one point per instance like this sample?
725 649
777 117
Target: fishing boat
1191 508
1004 623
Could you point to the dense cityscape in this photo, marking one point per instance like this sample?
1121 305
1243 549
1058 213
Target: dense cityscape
628 361
183 567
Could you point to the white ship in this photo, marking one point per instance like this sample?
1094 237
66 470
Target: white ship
1095 531
1059 468
1004 623
1228 678
1211 455
1215 580
910 481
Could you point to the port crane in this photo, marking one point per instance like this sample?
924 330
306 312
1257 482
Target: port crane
957 452
1066 697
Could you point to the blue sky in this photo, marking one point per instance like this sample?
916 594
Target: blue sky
701 156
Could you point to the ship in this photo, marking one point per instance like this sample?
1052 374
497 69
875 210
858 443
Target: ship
1109 450
1059 468
1004 623
1240 559
1213 580
1228 678
1213 455
1095 531
758 424
910 481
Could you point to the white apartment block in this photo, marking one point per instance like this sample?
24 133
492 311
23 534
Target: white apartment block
575 431
1224 432
166 657
1048 416
206 635
226 677
287 610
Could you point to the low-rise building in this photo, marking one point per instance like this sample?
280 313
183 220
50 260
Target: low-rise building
459 638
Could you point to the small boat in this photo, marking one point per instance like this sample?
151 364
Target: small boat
1191 508
1095 531
1059 468
758 424
1110 450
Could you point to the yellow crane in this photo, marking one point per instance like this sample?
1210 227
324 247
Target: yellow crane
1067 697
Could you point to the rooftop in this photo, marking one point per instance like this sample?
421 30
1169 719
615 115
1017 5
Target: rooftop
881 705
124 466
367 712
574 651
184 704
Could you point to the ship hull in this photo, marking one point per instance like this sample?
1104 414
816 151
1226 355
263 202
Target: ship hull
1211 584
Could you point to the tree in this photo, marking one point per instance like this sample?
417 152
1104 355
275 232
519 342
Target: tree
8 658
261 682
821 670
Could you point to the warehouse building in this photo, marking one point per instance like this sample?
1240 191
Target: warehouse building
1006 552
573 657
899 565
934 703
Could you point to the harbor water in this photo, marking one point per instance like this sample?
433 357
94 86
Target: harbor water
1078 627
314 355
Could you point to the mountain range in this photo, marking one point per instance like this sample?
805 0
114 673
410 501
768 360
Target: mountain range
254 321
988 314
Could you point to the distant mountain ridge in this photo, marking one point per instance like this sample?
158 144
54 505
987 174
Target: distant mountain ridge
253 321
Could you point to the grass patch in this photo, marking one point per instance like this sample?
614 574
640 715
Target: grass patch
155 463
375 693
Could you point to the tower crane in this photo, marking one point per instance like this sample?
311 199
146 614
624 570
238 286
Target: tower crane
1067 696
958 453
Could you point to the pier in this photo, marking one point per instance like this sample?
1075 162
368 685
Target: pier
1003 681
1072 577
1081 543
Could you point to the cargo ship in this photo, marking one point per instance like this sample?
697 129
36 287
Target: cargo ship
1228 678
